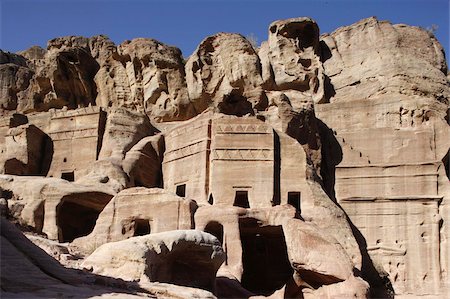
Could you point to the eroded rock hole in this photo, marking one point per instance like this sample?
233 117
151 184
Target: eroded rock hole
264 257
303 34
235 104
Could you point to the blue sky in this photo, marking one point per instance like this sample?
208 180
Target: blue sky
185 23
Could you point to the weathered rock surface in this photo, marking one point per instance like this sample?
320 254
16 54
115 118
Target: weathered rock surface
293 58
143 161
224 72
374 58
60 209
182 257
317 162
41 276
317 258
139 211
26 151
124 128
386 147
15 76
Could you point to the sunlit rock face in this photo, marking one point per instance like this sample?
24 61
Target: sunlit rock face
312 166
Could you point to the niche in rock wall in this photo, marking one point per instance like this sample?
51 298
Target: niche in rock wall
264 257
241 199
75 220
294 200
181 190
215 229
68 176
77 214
141 227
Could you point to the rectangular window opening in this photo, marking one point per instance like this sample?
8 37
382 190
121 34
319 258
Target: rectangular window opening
68 176
241 199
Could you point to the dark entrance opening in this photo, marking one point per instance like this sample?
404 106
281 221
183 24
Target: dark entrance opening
75 221
68 176
141 227
241 199
181 190
264 257
215 229
294 200
77 214
211 199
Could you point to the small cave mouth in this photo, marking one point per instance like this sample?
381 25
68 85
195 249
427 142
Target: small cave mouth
236 104
305 34
77 214
264 257
75 220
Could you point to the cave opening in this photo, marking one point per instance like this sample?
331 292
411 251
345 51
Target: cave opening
264 257
75 220
77 214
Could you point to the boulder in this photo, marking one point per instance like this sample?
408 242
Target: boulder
224 72
27 151
15 76
28 272
293 57
143 161
374 58
124 128
182 257
317 257
156 76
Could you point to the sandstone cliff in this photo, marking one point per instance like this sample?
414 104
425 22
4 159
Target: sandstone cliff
319 162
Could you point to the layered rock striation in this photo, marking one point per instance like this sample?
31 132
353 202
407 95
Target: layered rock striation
319 163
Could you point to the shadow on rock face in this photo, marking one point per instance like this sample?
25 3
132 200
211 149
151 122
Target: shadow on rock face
33 273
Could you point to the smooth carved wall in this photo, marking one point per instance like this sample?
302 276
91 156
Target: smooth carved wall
389 182
217 158
186 159
242 161
76 136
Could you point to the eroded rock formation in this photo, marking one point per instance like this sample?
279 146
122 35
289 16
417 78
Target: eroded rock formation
318 163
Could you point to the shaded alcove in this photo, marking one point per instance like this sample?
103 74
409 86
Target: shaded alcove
77 214
294 199
215 229
264 257
141 227
68 176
